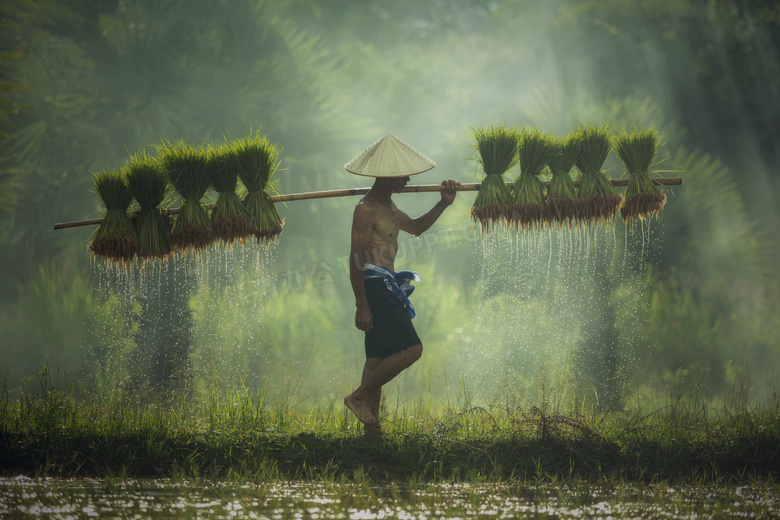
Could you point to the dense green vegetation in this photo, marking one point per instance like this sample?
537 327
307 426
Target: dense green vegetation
235 435
85 84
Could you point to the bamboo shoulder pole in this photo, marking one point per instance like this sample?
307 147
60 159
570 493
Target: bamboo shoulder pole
414 188
422 188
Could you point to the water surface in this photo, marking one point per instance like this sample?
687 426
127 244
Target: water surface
24 497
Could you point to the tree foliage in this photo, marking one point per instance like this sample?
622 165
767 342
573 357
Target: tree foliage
324 79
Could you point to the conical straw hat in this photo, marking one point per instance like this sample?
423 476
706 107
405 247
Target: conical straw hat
389 157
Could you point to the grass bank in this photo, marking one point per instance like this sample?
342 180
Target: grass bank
47 432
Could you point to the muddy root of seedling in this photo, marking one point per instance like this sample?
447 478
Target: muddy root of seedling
643 205
191 236
561 210
524 216
117 248
268 235
233 228
489 215
154 254
599 207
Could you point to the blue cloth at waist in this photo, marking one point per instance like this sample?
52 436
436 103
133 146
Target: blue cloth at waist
400 283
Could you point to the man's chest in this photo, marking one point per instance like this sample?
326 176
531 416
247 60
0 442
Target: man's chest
386 224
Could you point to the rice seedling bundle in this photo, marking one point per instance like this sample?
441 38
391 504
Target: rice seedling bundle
188 172
535 149
115 238
562 202
599 200
496 152
229 216
149 186
642 197
257 161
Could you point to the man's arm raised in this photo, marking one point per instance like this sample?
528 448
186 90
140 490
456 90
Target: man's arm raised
418 226
362 226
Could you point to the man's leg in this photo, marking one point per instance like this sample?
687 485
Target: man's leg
375 397
360 400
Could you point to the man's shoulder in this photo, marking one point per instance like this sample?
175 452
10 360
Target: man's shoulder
371 206
365 210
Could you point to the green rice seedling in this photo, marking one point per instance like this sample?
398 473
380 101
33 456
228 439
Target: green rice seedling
535 149
496 152
258 161
642 197
599 200
229 216
115 238
562 204
187 170
149 186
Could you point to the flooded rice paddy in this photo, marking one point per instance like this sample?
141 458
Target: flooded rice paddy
24 497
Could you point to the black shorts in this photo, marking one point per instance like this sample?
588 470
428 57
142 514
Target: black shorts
393 330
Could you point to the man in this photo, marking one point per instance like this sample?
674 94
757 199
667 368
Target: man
383 311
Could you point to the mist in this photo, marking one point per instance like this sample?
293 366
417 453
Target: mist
608 315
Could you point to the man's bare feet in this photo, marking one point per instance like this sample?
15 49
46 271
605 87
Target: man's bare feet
370 430
361 409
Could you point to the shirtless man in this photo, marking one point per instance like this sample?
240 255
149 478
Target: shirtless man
392 344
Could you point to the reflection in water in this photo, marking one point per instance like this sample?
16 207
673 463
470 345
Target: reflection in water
84 498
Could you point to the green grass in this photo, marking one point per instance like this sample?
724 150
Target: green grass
47 432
